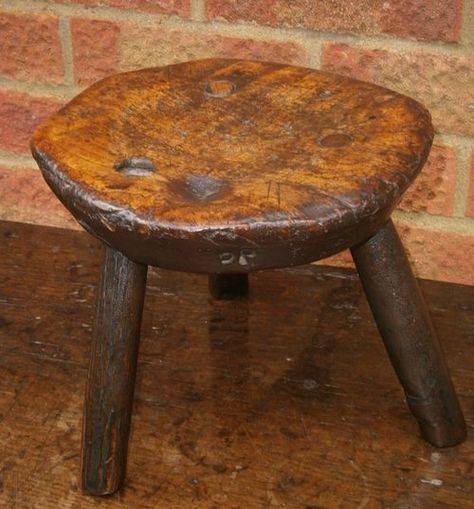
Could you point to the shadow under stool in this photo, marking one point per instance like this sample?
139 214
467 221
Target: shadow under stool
225 167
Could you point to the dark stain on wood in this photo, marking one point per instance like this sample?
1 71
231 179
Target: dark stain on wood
199 188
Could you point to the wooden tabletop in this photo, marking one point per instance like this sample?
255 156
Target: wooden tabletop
283 400
233 147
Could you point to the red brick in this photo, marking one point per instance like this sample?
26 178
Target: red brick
433 190
25 197
30 48
102 47
470 196
19 115
147 47
423 19
95 49
125 46
179 7
420 19
439 255
444 83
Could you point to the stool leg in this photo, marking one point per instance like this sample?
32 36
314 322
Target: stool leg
111 380
405 326
228 286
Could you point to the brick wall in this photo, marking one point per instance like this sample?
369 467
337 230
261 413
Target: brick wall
50 50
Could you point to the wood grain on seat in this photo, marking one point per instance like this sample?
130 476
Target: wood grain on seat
238 165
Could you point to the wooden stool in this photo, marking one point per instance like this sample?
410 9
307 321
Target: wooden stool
225 167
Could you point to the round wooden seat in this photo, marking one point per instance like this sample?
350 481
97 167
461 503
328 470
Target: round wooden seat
231 166
228 166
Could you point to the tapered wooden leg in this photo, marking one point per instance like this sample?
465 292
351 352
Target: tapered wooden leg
228 286
111 379
405 325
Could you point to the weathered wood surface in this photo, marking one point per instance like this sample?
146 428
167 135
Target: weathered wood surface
405 325
230 166
112 371
286 399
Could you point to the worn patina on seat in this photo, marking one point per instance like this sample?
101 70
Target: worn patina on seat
229 166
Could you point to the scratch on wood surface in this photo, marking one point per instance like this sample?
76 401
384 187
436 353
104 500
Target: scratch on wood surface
432 482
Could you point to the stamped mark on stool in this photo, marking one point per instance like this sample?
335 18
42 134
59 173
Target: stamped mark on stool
135 167
240 257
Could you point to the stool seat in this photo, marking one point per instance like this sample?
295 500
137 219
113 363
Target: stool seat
231 166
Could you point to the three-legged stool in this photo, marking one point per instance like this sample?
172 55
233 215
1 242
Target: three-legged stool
225 167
